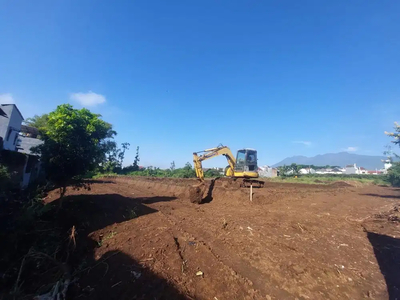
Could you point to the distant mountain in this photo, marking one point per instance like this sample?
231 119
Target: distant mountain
336 159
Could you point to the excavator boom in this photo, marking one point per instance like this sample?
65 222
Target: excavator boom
244 166
210 153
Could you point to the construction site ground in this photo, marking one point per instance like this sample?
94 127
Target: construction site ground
141 238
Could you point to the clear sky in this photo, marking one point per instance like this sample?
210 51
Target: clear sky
284 77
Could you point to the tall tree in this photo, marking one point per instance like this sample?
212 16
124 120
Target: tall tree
121 154
39 122
137 159
74 144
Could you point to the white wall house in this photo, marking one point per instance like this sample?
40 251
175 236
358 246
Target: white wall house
267 171
17 137
304 171
352 169
387 164
10 125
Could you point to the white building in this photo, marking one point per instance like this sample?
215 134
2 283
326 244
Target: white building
352 169
387 164
16 137
267 171
304 171
10 125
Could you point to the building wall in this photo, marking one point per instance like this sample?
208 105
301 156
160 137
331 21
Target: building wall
351 170
13 123
31 170
267 171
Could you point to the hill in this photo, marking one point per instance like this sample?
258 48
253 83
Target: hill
336 159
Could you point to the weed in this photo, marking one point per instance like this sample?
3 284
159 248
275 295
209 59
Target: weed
107 237
132 214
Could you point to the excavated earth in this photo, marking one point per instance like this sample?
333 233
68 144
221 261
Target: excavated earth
143 238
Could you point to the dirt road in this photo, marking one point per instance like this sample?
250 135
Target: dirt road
143 239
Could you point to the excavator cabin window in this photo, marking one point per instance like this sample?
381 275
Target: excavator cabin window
246 160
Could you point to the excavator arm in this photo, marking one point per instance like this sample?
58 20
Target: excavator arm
198 157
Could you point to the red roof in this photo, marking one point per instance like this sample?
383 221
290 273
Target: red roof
375 172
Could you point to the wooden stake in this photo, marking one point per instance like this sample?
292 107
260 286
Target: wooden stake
251 192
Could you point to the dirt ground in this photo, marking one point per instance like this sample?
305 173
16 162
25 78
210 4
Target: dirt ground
143 239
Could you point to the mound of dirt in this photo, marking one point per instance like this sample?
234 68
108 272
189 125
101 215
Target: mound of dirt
196 193
341 184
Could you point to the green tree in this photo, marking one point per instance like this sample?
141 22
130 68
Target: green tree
121 153
39 122
114 157
135 166
137 159
75 142
212 173
394 171
395 134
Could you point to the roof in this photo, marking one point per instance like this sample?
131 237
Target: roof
15 108
25 144
362 168
30 130
350 166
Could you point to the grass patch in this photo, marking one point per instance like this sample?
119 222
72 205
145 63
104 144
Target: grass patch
323 179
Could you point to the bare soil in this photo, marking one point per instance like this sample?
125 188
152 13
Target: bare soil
142 238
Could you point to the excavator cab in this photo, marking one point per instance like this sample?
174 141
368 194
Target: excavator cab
246 163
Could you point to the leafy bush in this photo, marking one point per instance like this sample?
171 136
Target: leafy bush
75 143
393 175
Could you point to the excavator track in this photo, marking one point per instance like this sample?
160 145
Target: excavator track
246 183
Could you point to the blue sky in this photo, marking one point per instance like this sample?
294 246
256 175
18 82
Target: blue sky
284 77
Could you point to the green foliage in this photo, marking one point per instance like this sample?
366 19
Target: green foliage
75 143
212 173
114 157
13 163
186 172
294 169
329 178
39 122
395 134
4 180
135 166
393 175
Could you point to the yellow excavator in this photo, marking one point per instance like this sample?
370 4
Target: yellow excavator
244 166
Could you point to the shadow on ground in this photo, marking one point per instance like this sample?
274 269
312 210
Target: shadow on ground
387 253
383 196
115 275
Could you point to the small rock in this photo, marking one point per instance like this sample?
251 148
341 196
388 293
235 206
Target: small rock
199 273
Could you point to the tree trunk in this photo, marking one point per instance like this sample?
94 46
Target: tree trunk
63 189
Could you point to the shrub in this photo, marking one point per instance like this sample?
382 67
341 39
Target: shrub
393 175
